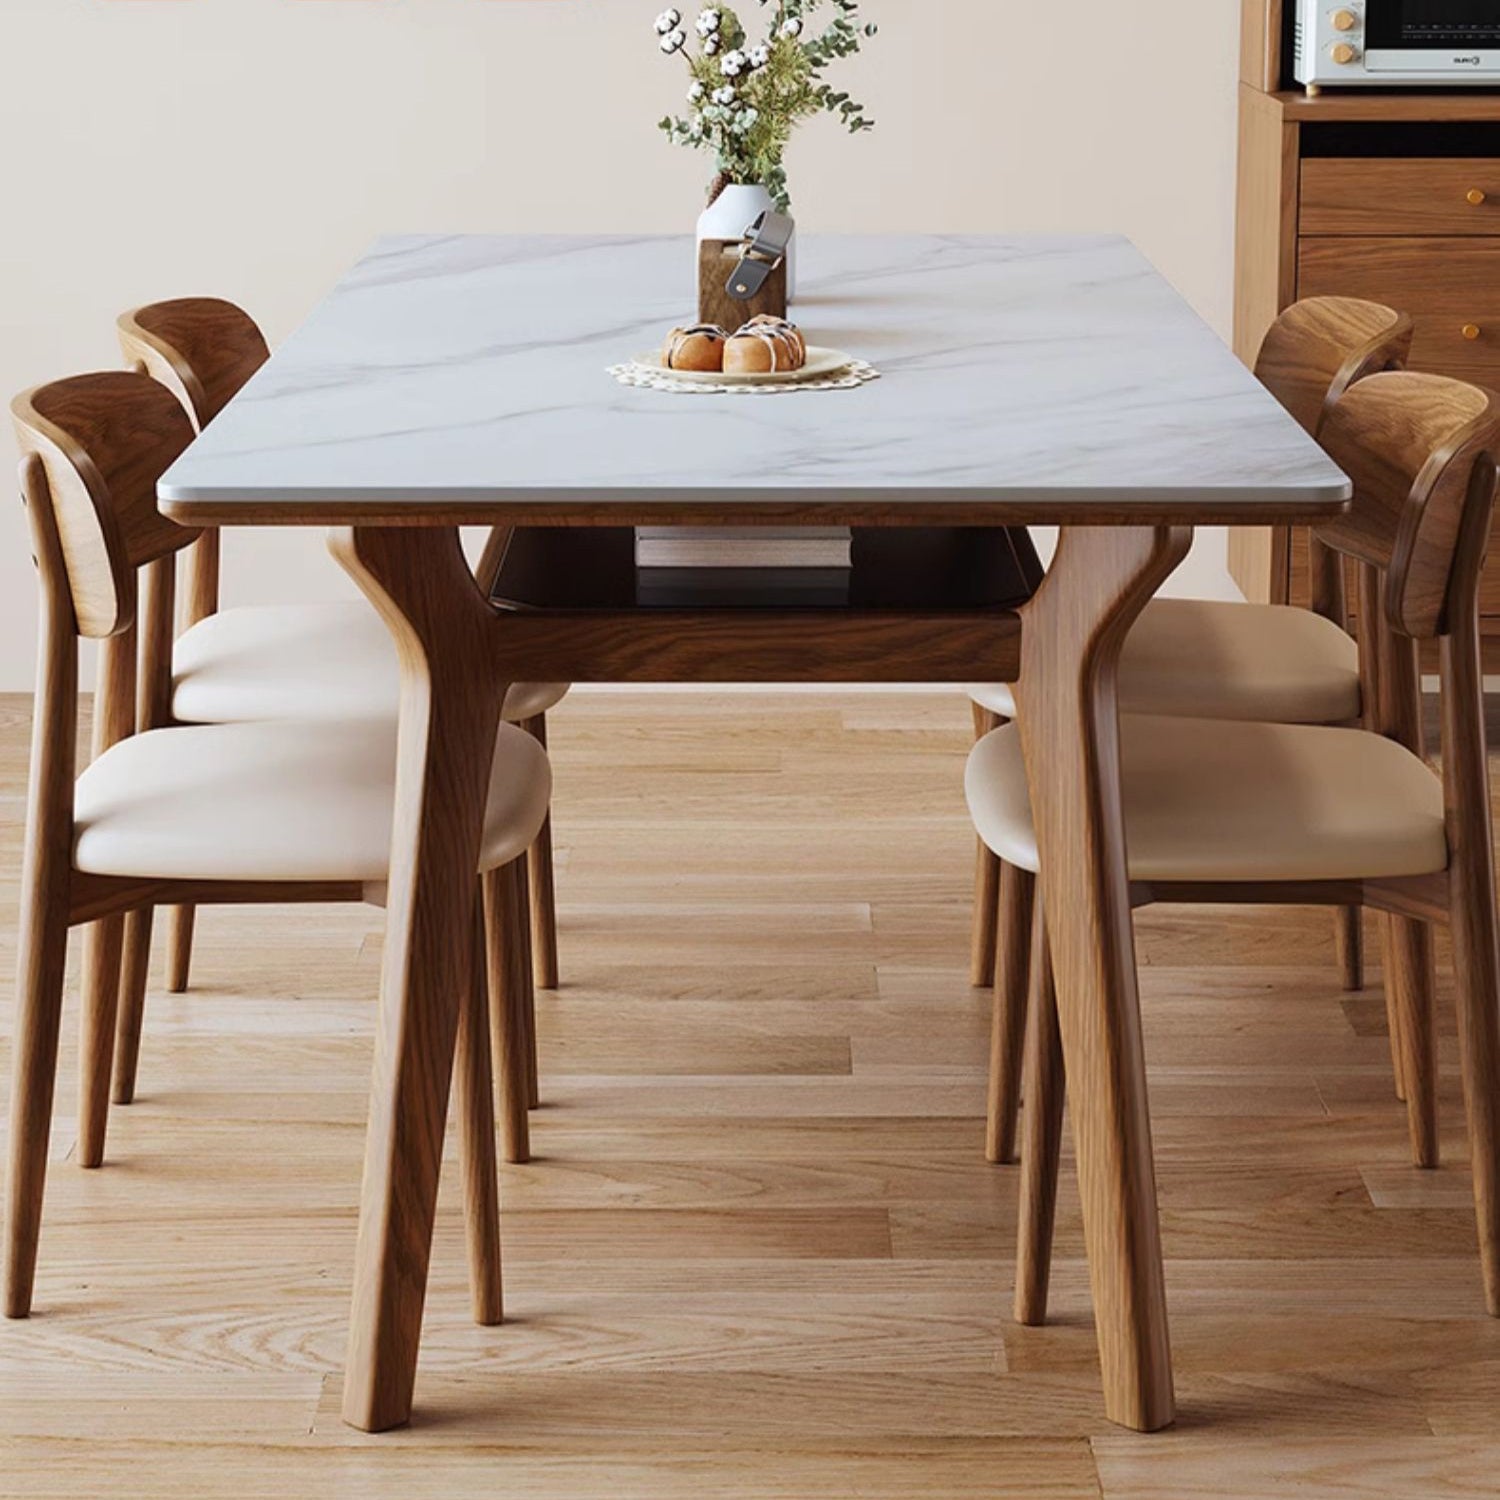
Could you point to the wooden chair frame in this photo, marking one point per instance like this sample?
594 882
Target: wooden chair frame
1420 548
204 350
93 448
1315 352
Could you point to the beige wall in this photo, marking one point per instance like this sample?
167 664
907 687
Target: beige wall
251 148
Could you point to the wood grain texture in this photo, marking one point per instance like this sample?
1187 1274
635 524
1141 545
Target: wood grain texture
542 886
1045 1096
202 349
42 927
1014 907
1407 196
451 691
476 1112
114 720
1073 631
1476 934
107 521
509 976
196 1291
1456 316
986 884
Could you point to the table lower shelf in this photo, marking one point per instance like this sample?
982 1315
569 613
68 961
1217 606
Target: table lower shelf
922 605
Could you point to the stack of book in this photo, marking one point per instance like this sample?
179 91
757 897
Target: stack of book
795 564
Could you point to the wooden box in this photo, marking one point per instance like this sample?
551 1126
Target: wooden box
717 260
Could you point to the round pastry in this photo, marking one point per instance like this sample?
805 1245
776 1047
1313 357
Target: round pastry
762 349
700 347
789 330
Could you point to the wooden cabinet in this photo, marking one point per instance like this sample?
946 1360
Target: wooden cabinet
1390 196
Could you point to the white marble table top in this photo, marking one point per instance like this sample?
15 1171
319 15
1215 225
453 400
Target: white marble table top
463 377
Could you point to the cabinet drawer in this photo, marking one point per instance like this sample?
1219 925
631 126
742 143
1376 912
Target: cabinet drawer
1450 288
1430 196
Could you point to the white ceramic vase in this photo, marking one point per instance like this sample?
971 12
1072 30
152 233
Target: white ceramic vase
732 213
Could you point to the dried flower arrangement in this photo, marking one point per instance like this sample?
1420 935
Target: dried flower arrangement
747 98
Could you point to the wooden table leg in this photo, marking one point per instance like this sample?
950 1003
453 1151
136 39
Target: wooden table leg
450 712
1072 634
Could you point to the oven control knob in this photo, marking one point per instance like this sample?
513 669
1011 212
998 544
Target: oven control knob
1343 53
1345 20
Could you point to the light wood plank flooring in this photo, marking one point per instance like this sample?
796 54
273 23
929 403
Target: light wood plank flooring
759 1253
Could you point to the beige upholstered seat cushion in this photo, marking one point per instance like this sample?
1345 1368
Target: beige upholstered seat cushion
1212 659
1207 800
303 661
276 802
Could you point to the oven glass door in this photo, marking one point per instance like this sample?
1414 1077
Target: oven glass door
1445 36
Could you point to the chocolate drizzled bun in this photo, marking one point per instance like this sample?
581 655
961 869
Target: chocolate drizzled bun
787 329
700 347
764 348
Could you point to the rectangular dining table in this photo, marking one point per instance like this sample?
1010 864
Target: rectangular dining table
461 380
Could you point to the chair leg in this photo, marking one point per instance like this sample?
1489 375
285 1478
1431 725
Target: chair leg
44 946
1007 1038
1411 981
508 965
96 1051
1041 1146
526 979
135 971
474 1080
179 946
1393 1015
1349 944
543 891
1476 951
986 885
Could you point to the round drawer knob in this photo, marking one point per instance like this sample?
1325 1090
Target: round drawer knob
1344 20
1344 53
1472 331
1476 196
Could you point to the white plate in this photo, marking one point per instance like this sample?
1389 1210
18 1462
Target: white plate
821 363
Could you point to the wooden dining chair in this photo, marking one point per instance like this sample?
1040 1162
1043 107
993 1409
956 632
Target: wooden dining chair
235 813
1212 659
1287 814
317 662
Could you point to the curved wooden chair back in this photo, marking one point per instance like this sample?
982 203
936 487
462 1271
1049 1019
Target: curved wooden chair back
93 448
202 349
1418 449
1320 347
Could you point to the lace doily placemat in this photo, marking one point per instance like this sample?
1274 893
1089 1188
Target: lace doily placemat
856 373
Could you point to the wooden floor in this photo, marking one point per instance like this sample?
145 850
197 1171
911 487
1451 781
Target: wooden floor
759 1254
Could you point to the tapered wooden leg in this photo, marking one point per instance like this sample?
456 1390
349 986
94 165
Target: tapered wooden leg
1041 1145
1349 945
179 947
476 1111
505 919
1008 1023
1393 1016
134 973
43 925
986 885
1072 633
525 981
96 1049
543 891
44 939
451 691
1411 980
